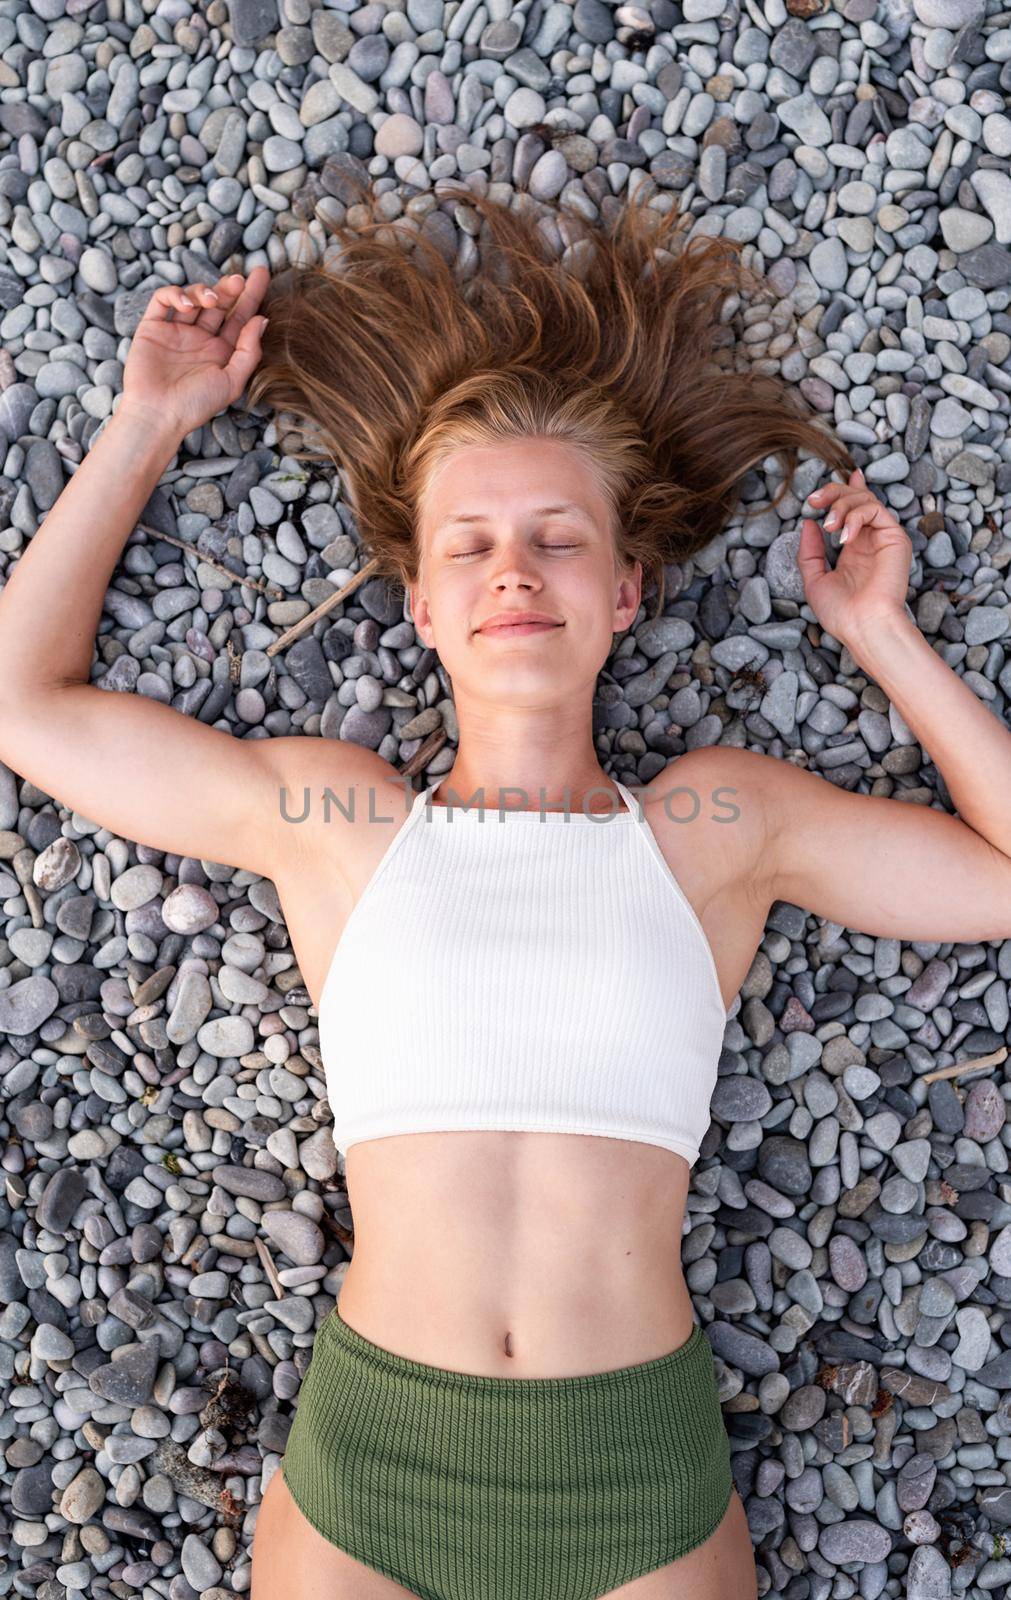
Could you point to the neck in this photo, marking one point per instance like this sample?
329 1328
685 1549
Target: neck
527 762
596 794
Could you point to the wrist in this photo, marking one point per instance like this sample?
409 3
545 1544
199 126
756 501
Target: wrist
154 432
883 630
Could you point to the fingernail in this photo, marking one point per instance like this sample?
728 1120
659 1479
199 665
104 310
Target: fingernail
184 302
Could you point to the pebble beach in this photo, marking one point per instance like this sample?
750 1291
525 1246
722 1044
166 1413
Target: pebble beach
174 1225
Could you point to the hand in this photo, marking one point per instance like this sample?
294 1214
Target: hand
184 371
868 584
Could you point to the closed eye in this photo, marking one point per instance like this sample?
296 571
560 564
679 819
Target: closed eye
462 555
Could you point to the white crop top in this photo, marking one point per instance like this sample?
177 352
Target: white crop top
537 970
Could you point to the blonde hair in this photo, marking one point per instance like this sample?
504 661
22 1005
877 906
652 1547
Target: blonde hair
395 355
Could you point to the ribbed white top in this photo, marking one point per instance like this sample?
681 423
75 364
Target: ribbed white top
535 970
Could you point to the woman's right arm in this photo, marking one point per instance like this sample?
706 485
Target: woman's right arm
147 771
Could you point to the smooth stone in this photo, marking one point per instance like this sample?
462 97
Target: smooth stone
857 1540
299 1237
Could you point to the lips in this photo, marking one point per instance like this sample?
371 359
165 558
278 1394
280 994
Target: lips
505 621
520 627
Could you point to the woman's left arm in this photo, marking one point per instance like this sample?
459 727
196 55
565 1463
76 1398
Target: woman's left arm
879 865
966 741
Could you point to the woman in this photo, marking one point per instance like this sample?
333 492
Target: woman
513 1399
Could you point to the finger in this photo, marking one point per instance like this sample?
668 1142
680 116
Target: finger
243 360
856 518
845 503
171 302
259 281
247 304
826 493
205 299
210 314
850 512
219 299
810 552
822 499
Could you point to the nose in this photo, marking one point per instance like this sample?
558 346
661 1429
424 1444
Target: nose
516 567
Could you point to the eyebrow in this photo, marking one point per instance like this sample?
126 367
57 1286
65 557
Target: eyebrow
565 508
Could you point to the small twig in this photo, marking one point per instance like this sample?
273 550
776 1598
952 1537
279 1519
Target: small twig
267 1263
268 589
298 628
961 1067
330 1224
429 747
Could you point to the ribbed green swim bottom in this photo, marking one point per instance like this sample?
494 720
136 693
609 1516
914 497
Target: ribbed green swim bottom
466 1487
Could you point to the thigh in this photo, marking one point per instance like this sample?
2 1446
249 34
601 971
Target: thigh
291 1561
723 1565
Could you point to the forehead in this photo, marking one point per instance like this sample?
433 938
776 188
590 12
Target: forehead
520 478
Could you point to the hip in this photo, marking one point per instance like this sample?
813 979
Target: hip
457 1484
543 1324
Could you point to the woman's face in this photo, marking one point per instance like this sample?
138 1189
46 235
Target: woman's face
522 526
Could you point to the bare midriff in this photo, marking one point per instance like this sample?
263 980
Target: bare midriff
514 1254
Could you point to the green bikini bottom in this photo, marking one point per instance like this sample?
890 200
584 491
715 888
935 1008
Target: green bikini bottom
465 1487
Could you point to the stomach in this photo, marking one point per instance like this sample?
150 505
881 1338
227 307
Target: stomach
515 1254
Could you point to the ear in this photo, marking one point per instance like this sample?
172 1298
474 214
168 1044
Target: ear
629 595
420 614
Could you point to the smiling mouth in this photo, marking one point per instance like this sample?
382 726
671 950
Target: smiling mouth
521 627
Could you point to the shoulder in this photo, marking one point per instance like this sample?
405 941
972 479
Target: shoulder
717 779
723 797
339 762
318 789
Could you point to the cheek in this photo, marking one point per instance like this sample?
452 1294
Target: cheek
454 597
592 590
454 584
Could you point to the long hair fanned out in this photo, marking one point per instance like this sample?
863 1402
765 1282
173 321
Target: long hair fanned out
393 349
